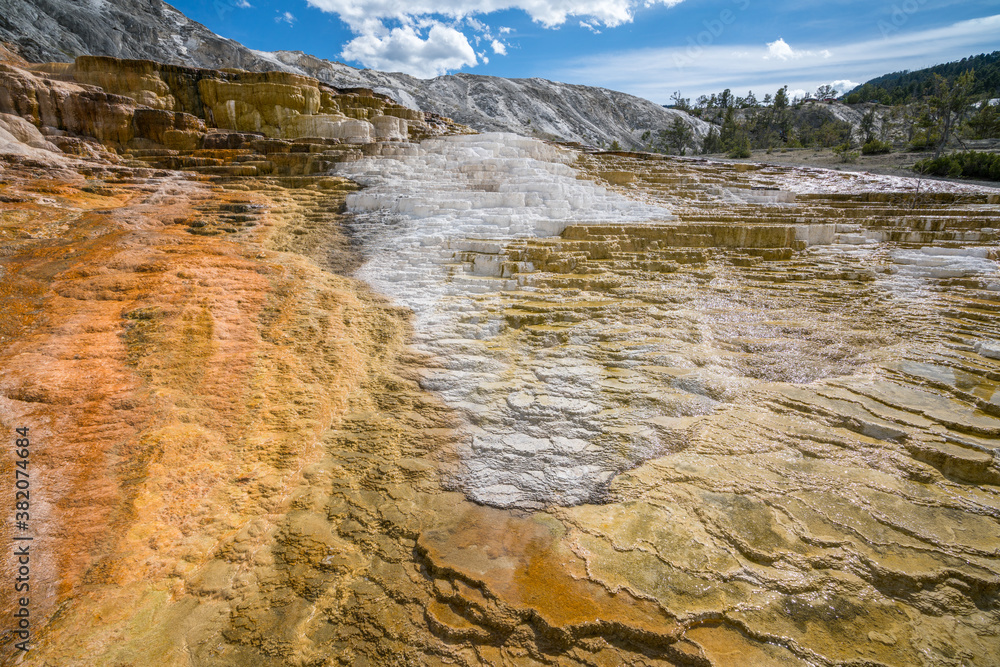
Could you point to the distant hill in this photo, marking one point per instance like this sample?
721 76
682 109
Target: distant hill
903 87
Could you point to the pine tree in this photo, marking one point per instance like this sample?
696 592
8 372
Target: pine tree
728 132
948 103
712 143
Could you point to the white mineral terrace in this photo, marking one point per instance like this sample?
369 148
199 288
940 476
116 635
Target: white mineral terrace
534 428
555 408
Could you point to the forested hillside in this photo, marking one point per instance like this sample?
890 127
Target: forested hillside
905 87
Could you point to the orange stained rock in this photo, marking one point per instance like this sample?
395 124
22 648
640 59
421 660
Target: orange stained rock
151 378
63 379
523 563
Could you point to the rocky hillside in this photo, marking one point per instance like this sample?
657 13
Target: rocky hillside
60 30
234 123
535 107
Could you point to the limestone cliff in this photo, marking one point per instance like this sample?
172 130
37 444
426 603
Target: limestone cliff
205 119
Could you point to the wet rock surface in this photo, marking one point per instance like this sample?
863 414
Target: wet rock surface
760 414
608 409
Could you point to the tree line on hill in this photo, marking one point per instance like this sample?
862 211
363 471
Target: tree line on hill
906 87
936 108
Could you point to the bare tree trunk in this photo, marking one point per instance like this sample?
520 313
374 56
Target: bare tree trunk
944 133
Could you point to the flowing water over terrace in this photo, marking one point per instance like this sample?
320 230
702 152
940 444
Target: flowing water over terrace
567 354
764 400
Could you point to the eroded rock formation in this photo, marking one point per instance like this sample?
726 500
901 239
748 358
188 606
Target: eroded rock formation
141 105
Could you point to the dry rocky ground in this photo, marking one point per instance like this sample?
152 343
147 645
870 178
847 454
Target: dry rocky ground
785 425
896 163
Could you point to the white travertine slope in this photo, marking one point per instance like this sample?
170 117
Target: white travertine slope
424 206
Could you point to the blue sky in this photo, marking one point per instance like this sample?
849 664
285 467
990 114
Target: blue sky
644 47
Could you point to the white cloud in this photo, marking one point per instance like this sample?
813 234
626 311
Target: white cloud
844 85
590 26
285 17
403 49
549 13
477 25
695 70
779 49
243 4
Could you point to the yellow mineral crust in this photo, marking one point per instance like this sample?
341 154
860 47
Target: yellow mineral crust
277 104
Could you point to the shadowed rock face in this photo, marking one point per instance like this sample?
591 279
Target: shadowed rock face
608 409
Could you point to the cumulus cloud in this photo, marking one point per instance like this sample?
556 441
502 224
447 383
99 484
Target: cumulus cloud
656 73
549 13
285 17
404 49
779 49
844 85
375 45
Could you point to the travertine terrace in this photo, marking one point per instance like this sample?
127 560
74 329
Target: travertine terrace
305 391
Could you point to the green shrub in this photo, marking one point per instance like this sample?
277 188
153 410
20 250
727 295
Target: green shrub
924 139
876 147
712 142
741 147
829 134
969 164
845 152
985 124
